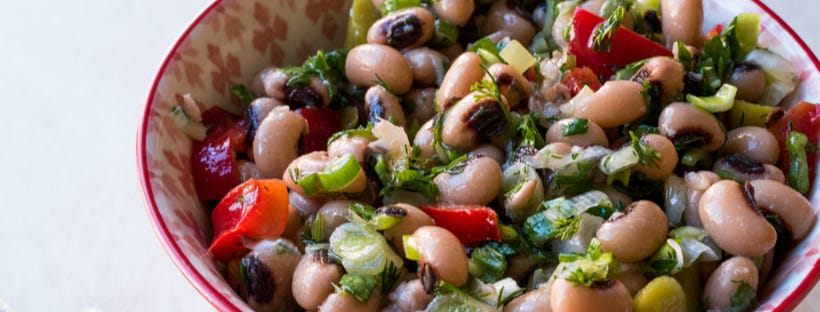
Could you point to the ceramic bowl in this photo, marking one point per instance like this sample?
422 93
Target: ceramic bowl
233 39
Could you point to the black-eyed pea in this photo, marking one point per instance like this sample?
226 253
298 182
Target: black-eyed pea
733 222
682 21
345 302
276 142
463 73
478 183
381 104
568 297
791 207
622 96
441 257
269 268
511 84
723 283
402 29
691 126
636 233
534 300
510 16
429 66
473 120
313 279
454 12
366 64
742 168
664 72
752 142
412 220
594 134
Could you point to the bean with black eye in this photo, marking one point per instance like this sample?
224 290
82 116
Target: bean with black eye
411 220
345 302
567 297
381 104
333 213
509 15
741 168
636 233
409 296
423 105
313 279
276 141
696 184
664 72
534 300
511 84
424 139
256 112
366 64
465 71
732 220
405 28
454 12
723 283
594 134
477 183
429 66
666 162
269 268
752 142
624 97
791 207
314 94
274 82
473 120
258 84
691 127
349 144
487 150
750 81
441 257
681 21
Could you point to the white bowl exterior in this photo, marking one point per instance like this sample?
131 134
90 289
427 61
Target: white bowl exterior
237 38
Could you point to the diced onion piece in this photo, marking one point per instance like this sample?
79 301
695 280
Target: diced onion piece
620 160
720 102
675 199
568 108
362 249
780 76
517 56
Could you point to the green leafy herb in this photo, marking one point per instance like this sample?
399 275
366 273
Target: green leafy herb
611 7
575 179
647 156
390 278
797 143
486 88
360 286
243 93
604 33
530 135
487 264
575 127
330 67
586 269
744 298
366 132
445 34
630 70
664 261
488 51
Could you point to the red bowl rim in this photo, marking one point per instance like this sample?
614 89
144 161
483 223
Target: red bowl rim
222 303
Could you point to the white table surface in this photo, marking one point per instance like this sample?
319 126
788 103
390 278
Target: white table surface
74 235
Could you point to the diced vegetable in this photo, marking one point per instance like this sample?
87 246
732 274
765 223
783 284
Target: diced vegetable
722 101
586 269
747 31
579 78
748 114
389 6
517 56
781 76
359 286
322 124
470 224
744 298
362 249
362 15
797 143
256 209
626 46
445 35
213 160
338 175
803 118
661 294
487 264
488 51
675 199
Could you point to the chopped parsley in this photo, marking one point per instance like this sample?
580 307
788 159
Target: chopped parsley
647 156
744 298
330 67
575 127
604 33
243 93
589 268
488 263
358 285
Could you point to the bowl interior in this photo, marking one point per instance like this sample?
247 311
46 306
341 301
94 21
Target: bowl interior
233 39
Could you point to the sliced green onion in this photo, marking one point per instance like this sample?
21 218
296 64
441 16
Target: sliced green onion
621 160
748 114
487 264
667 260
515 54
722 101
798 167
747 30
383 222
389 6
362 249
410 250
336 177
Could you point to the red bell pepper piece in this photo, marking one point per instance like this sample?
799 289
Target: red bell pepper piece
213 160
256 209
803 118
577 78
627 46
322 124
471 224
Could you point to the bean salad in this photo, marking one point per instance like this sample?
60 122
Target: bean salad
482 155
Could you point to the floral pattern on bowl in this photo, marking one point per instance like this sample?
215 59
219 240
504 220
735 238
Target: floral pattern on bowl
232 40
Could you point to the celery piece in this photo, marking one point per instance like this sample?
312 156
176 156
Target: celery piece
747 31
362 15
517 56
720 102
748 114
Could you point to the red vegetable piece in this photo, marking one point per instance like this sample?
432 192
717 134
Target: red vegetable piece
256 209
322 124
627 46
577 78
716 31
471 224
213 160
803 118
